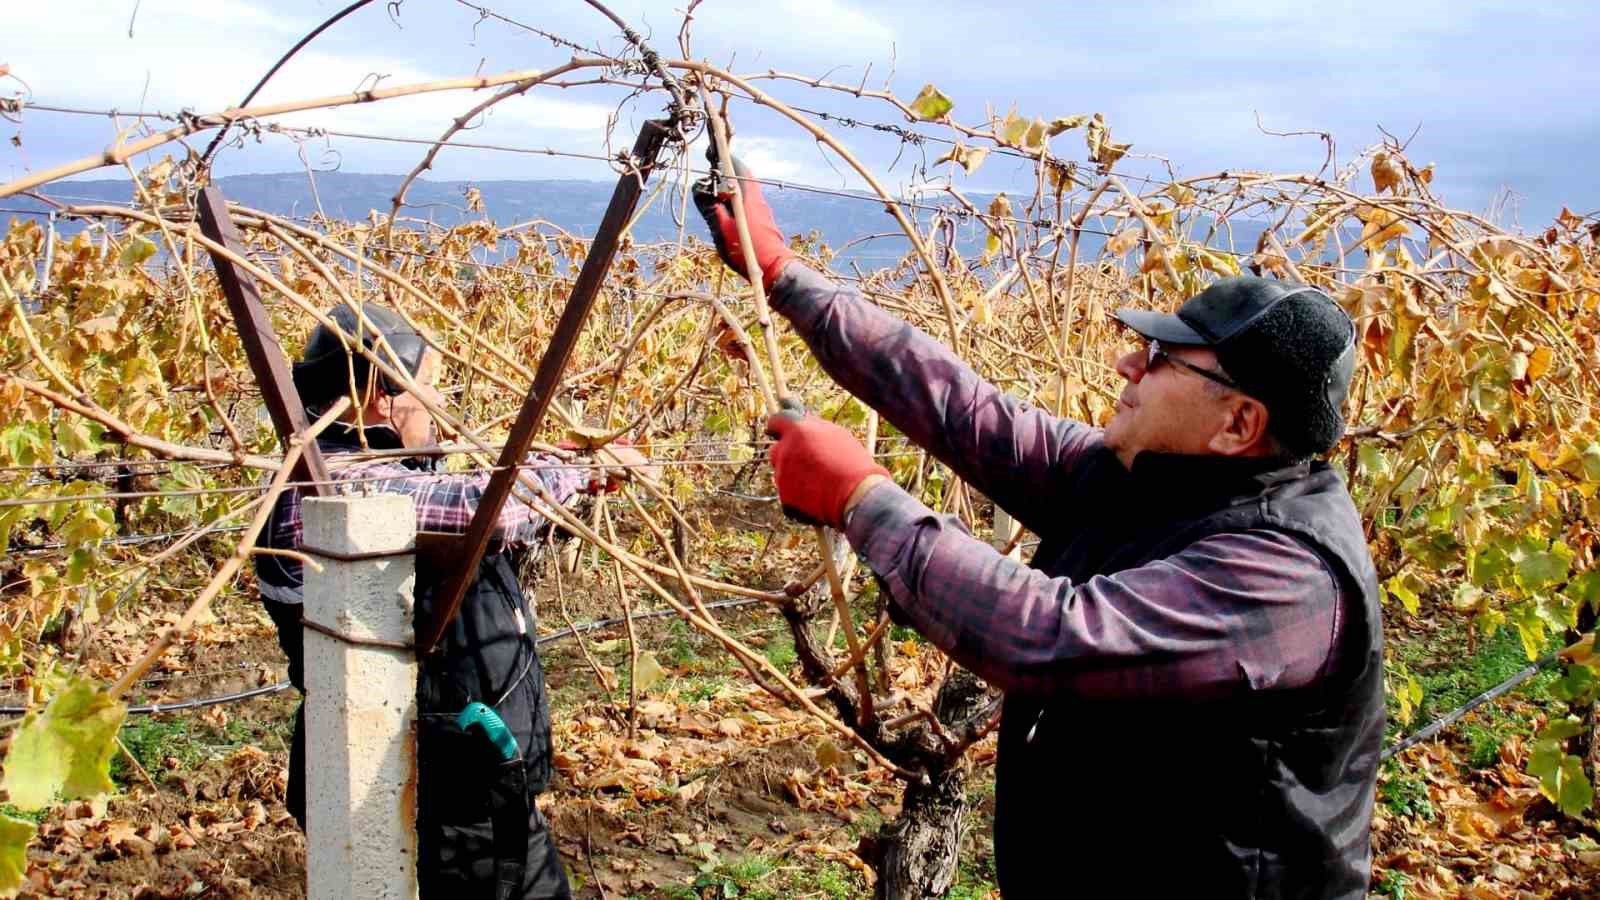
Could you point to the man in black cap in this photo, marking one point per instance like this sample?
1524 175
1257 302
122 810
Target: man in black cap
1192 660
479 833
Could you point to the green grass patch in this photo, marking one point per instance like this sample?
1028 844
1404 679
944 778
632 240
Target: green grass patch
975 879
1450 679
748 876
701 688
1404 792
780 652
35 816
152 740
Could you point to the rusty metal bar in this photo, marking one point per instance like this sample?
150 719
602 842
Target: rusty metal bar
261 345
624 200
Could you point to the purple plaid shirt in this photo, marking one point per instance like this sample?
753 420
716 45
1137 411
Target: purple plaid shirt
444 502
1232 612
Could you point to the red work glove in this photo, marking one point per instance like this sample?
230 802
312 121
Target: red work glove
716 206
817 466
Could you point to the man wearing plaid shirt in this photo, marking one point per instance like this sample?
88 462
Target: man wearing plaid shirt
1192 660
479 832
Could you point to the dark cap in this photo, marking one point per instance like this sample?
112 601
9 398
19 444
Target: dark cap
326 367
1288 345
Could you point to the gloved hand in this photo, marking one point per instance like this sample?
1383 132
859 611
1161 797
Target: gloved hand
817 466
716 206
621 462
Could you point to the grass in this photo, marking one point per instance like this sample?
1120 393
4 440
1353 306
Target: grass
152 740
697 688
780 652
678 647
1392 885
975 880
761 877
832 881
1404 792
34 816
1451 679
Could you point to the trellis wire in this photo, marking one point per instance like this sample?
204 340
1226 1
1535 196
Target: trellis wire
1043 223
572 631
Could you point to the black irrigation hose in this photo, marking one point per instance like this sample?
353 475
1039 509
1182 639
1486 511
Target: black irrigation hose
1455 715
153 708
1432 729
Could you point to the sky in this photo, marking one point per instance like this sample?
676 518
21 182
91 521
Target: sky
1501 96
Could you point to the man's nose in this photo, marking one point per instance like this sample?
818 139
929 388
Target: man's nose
1132 365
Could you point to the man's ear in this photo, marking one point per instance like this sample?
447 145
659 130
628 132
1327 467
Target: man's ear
375 409
1244 429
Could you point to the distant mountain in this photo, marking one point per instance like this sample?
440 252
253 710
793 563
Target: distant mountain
845 220
575 206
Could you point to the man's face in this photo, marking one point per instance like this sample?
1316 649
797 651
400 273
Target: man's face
407 414
1165 407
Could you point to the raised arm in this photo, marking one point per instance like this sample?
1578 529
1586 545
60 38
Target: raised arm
1014 453
447 501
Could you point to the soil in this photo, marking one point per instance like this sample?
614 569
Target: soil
724 790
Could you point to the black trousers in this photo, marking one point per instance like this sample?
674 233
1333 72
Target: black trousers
456 853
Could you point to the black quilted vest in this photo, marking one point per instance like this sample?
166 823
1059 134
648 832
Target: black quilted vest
487 654
1267 795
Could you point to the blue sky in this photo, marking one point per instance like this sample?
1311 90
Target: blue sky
1505 93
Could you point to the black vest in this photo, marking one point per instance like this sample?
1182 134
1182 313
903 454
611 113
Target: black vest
487 654
1265 795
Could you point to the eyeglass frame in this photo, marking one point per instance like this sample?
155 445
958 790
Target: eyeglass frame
1155 355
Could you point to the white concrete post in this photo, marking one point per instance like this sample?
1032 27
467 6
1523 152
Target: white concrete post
1004 528
360 700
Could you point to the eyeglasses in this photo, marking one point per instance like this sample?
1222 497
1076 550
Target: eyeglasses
1154 356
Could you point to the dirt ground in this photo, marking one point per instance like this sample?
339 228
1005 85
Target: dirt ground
721 791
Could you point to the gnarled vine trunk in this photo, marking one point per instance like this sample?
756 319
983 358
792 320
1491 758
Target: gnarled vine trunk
915 856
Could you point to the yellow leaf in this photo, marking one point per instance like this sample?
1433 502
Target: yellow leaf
1123 241
1386 172
1154 257
14 837
830 756
1218 264
1000 206
648 671
1519 366
1065 123
969 158
1063 175
1035 136
1102 149
1400 590
585 437
1539 362
1013 127
931 104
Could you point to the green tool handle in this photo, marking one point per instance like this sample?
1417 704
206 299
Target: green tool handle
478 715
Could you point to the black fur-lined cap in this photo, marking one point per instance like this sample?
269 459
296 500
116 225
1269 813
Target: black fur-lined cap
1288 345
326 368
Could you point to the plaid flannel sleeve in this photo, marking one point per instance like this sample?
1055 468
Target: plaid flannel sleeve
1019 456
446 501
1256 610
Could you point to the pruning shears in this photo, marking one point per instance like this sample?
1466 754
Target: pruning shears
481 717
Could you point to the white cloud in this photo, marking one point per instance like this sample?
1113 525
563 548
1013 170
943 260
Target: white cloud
835 30
795 160
206 57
